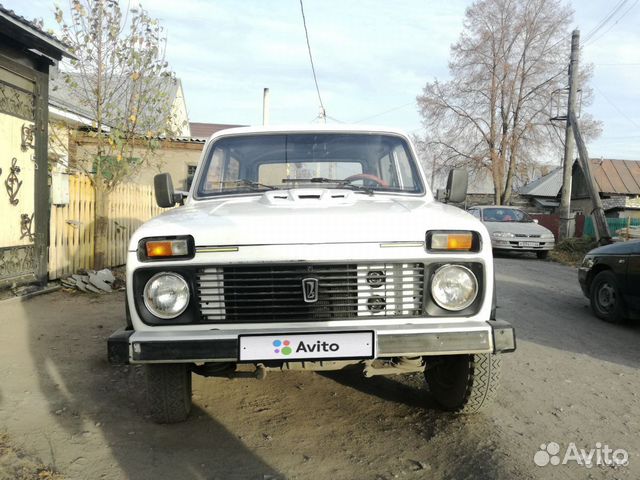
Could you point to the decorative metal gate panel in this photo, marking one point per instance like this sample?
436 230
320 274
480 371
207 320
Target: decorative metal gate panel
18 117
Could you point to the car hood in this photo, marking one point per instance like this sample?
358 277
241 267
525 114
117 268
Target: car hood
531 228
621 248
300 216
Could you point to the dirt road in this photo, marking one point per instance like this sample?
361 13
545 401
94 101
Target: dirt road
573 379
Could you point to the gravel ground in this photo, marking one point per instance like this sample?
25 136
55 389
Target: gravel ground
573 379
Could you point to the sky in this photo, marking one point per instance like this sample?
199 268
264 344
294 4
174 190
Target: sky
372 59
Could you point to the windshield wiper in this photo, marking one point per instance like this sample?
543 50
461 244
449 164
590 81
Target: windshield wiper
342 183
311 180
251 184
358 188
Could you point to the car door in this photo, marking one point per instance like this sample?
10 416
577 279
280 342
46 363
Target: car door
633 277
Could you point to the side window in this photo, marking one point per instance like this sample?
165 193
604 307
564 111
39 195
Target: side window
214 172
232 170
223 168
387 170
475 212
407 178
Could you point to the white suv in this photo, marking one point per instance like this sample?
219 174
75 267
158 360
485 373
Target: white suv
311 248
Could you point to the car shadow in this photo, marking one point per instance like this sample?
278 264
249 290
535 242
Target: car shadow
385 387
96 403
477 437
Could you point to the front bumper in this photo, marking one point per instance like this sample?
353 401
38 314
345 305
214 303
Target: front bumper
583 275
517 244
494 336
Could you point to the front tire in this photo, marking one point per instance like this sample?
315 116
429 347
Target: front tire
464 383
542 254
169 392
606 300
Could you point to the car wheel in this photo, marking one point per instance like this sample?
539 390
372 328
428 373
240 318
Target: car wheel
464 383
542 254
169 392
606 300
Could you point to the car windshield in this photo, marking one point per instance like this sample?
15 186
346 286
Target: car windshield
362 162
505 215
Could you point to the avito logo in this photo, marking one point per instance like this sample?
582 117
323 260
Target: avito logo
282 346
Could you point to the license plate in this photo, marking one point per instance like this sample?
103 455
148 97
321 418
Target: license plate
306 346
529 244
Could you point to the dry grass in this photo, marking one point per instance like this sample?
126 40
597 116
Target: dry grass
16 464
572 250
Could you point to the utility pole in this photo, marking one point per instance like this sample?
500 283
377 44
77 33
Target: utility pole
265 106
565 199
600 221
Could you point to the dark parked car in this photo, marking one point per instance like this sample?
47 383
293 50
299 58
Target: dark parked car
610 278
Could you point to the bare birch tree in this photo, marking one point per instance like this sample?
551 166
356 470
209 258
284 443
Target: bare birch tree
118 76
492 116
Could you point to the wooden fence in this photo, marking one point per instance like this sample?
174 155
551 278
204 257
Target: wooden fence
71 228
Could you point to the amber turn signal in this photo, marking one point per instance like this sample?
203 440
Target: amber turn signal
166 248
459 241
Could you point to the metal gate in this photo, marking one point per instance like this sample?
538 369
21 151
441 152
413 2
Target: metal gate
23 174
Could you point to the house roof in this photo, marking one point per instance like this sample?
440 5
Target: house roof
30 34
194 140
621 177
616 176
64 96
205 130
546 186
61 95
546 202
614 202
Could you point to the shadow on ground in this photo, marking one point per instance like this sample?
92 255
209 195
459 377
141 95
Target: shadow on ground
461 447
334 425
92 399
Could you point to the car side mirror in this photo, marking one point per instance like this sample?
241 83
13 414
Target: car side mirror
457 184
166 197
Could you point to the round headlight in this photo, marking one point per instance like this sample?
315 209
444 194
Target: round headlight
166 295
454 287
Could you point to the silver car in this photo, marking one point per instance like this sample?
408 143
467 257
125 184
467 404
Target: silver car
512 229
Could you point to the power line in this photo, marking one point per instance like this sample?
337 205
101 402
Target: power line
334 119
323 112
624 14
386 111
591 37
606 18
616 107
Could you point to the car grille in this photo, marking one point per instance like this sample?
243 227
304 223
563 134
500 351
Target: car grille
271 293
524 235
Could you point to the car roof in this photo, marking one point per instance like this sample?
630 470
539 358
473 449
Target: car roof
331 128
